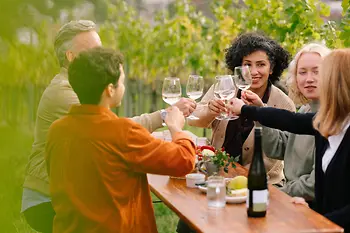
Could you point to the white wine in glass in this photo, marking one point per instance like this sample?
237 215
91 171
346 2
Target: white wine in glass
171 98
194 94
171 91
194 90
224 89
242 77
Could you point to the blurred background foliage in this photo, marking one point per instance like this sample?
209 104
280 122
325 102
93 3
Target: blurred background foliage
176 41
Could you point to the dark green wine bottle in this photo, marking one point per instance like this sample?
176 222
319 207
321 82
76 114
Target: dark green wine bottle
257 199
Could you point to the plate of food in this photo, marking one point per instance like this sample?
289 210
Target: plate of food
236 189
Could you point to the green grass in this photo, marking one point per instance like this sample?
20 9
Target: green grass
15 145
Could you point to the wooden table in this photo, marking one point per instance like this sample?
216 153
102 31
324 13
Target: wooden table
282 216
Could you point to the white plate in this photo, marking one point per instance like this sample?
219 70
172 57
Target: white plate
233 200
202 188
236 200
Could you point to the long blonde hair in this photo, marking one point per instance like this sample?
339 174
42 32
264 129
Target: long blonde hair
294 92
334 93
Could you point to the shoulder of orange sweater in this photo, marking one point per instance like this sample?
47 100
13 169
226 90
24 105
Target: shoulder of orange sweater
280 100
59 123
123 123
130 127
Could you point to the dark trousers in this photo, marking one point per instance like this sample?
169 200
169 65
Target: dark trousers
40 217
182 227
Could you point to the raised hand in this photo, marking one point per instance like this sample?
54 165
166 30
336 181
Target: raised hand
299 201
250 98
175 119
216 106
234 107
186 106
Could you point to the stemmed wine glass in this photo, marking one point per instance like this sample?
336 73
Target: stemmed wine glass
224 89
194 90
242 77
171 91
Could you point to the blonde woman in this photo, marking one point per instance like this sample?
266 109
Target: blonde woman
330 126
298 151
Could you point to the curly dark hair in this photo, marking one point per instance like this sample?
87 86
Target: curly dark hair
92 71
248 43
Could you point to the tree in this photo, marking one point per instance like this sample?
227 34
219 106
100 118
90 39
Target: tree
28 13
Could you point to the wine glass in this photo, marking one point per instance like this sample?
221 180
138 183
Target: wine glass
194 90
224 89
242 77
171 91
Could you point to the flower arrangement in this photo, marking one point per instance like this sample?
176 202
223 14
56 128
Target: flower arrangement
219 157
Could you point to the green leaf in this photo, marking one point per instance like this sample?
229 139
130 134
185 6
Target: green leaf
345 5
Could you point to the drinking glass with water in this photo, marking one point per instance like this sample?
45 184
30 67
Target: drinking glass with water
216 192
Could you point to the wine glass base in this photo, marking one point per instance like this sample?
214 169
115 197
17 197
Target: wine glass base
232 118
192 117
220 118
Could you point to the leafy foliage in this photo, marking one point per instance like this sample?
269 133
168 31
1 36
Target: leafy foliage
177 42
345 23
220 158
28 13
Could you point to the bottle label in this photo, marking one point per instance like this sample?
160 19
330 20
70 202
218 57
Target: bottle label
259 200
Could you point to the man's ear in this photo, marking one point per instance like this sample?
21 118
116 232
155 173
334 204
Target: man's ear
70 55
110 90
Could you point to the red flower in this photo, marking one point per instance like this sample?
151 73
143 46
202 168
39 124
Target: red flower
208 148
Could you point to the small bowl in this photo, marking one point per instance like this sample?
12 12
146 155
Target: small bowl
194 178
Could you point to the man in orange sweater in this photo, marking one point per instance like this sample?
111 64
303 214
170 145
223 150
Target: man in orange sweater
97 162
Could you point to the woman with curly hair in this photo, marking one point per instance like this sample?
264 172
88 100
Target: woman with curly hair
267 60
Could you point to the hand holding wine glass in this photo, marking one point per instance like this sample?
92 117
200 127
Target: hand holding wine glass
174 120
194 89
186 106
235 106
171 91
251 98
216 106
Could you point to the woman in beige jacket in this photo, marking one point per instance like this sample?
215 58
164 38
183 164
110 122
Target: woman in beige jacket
267 60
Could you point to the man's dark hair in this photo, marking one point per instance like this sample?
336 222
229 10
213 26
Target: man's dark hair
92 71
248 43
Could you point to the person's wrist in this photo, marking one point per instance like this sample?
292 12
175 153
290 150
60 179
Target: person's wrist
163 113
173 128
241 109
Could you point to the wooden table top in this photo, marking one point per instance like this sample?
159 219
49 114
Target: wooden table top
282 215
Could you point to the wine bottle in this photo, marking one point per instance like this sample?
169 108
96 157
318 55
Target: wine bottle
257 199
